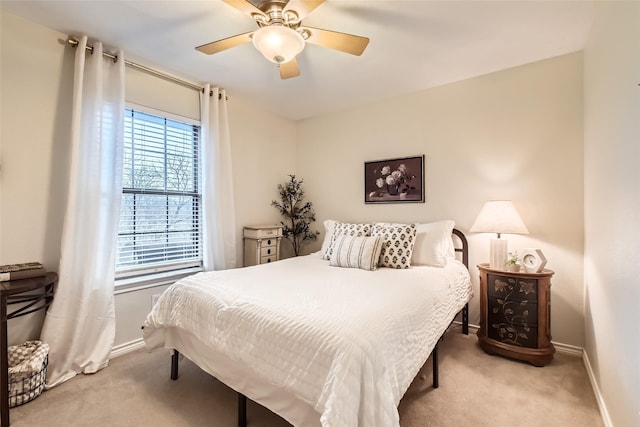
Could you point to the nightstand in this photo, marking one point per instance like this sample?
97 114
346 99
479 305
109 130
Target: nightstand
261 244
515 311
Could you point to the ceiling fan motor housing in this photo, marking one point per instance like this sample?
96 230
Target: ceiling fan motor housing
275 15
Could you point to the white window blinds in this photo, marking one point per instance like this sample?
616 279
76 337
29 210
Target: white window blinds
160 215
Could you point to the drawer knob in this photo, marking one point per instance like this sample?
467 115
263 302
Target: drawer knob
269 251
269 242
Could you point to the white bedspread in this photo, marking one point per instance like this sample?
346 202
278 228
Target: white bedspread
348 342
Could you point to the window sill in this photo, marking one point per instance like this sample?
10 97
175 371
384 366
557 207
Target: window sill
132 284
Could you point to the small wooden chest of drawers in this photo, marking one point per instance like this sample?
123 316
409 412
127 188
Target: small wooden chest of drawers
261 244
515 314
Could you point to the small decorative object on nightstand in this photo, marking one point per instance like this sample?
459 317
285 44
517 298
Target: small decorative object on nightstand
533 260
261 244
515 311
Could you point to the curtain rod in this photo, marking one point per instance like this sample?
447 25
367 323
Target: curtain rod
74 42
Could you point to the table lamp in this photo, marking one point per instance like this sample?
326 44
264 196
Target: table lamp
498 216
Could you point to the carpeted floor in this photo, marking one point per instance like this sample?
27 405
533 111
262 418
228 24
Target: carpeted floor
475 390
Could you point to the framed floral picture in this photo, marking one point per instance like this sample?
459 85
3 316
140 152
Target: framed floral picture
394 180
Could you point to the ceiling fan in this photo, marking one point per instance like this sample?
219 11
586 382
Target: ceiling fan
281 35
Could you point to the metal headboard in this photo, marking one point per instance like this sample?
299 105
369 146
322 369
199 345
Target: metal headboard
465 247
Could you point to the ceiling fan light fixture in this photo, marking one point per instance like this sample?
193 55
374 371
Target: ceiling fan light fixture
277 43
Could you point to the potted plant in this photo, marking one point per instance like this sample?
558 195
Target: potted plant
298 214
513 260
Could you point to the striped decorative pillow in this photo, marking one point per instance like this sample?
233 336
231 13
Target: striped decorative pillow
345 228
356 252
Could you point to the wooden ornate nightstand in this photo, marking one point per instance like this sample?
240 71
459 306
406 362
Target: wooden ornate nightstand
515 314
261 244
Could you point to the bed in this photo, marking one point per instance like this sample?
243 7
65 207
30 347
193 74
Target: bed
317 344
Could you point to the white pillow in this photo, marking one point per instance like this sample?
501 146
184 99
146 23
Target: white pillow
329 225
434 245
356 252
398 242
346 228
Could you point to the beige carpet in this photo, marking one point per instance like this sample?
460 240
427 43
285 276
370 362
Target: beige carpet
475 390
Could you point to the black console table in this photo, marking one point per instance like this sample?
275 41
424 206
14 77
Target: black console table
33 295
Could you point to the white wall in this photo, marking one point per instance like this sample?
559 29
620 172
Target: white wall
515 134
612 206
264 154
36 72
36 81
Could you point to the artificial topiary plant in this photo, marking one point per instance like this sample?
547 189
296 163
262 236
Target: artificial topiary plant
298 215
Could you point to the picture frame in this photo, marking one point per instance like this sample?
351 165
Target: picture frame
399 180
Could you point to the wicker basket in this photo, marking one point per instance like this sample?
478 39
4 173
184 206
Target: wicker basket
27 371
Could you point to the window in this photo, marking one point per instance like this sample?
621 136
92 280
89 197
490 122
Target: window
160 214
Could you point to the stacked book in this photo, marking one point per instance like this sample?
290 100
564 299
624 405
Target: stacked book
21 271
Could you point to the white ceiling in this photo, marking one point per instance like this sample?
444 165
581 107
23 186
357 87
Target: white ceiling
413 45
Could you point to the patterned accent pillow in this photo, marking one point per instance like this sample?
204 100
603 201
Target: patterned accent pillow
397 245
346 228
329 225
357 252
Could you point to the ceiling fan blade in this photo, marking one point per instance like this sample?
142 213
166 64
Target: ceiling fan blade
343 42
289 69
302 8
244 6
224 44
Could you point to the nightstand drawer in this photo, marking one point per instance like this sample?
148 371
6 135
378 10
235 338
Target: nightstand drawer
266 259
268 251
262 231
515 312
264 243
513 335
520 289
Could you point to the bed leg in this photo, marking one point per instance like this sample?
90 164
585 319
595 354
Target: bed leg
465 319
435 365
174 365
242 410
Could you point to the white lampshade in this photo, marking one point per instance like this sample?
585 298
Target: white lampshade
498 216
278 43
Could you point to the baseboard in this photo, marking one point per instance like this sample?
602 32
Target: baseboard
128 347
473 329
604 414
568 349
137 344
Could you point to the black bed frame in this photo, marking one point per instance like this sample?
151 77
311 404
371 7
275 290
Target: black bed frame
242 399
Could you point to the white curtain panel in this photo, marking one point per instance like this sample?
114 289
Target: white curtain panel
219 225
80 324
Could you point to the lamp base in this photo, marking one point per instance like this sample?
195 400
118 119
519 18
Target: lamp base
498 254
